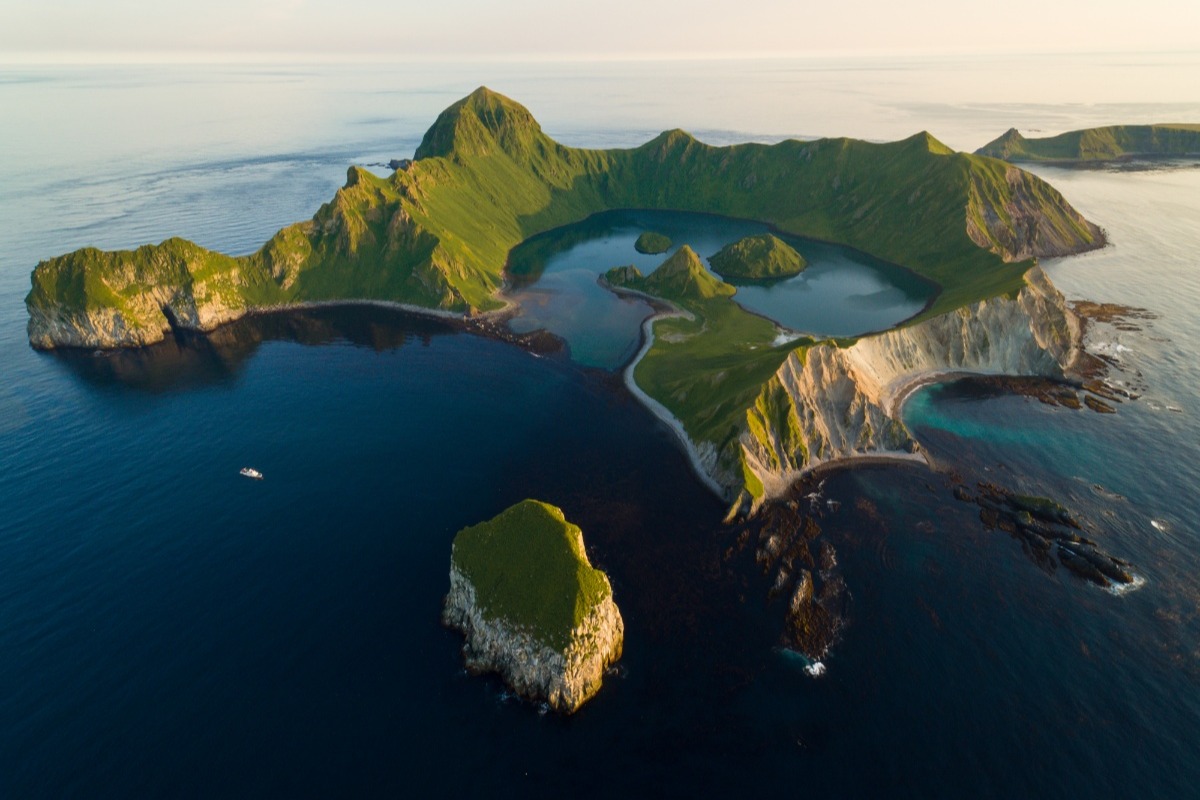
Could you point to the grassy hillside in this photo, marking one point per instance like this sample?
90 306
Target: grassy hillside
437 233
528 567
707 369
1110 143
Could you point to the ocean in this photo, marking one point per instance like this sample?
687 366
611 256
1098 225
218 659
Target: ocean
170 628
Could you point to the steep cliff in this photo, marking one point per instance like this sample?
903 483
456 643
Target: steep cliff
532 607
827 402
91 298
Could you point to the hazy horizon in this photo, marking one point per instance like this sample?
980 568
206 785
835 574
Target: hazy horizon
72 31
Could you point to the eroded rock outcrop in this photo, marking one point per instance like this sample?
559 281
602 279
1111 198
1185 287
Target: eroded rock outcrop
94 299
828 403
532 607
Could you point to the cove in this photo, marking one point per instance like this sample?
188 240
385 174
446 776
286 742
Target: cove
553 278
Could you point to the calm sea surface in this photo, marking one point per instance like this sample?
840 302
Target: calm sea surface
168 628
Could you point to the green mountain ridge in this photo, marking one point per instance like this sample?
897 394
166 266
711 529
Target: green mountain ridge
1109 143
437 234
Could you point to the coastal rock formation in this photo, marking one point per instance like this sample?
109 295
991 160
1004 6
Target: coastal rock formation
532 607
827 403
145 292
1014 226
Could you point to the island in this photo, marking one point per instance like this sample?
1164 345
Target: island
758 258
532 607
1099 145
651 243
754 405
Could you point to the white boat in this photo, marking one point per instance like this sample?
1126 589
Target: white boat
251 472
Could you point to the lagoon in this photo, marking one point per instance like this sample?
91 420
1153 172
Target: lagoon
842 292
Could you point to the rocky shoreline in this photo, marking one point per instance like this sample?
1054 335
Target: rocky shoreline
844 403
491 325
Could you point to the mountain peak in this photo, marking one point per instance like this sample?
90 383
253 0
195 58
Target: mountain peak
684 277
481 123
927 141
1008 144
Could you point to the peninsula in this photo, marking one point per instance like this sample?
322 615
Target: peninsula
532 607
754 404
1099 145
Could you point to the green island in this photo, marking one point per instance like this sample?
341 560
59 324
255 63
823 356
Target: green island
651 243
528 566
758 258
1098 145
531 605
436 235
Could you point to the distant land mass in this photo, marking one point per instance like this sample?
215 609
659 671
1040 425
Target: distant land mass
1097 145
754 404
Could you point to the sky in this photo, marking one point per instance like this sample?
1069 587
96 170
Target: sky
182 30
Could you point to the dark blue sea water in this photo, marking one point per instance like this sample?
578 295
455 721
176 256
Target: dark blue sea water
169 628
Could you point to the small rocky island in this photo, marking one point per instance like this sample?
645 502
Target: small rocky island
532 607
758 258
651 243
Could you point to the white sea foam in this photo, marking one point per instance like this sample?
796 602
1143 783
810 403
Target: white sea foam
1125 588
1113 349
811 667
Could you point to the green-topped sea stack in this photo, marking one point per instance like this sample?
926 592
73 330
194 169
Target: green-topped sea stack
652 243
532 607
758 258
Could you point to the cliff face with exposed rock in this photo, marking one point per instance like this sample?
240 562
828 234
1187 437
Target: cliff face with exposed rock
94 299
827 403
1015 225
532 607
565 679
